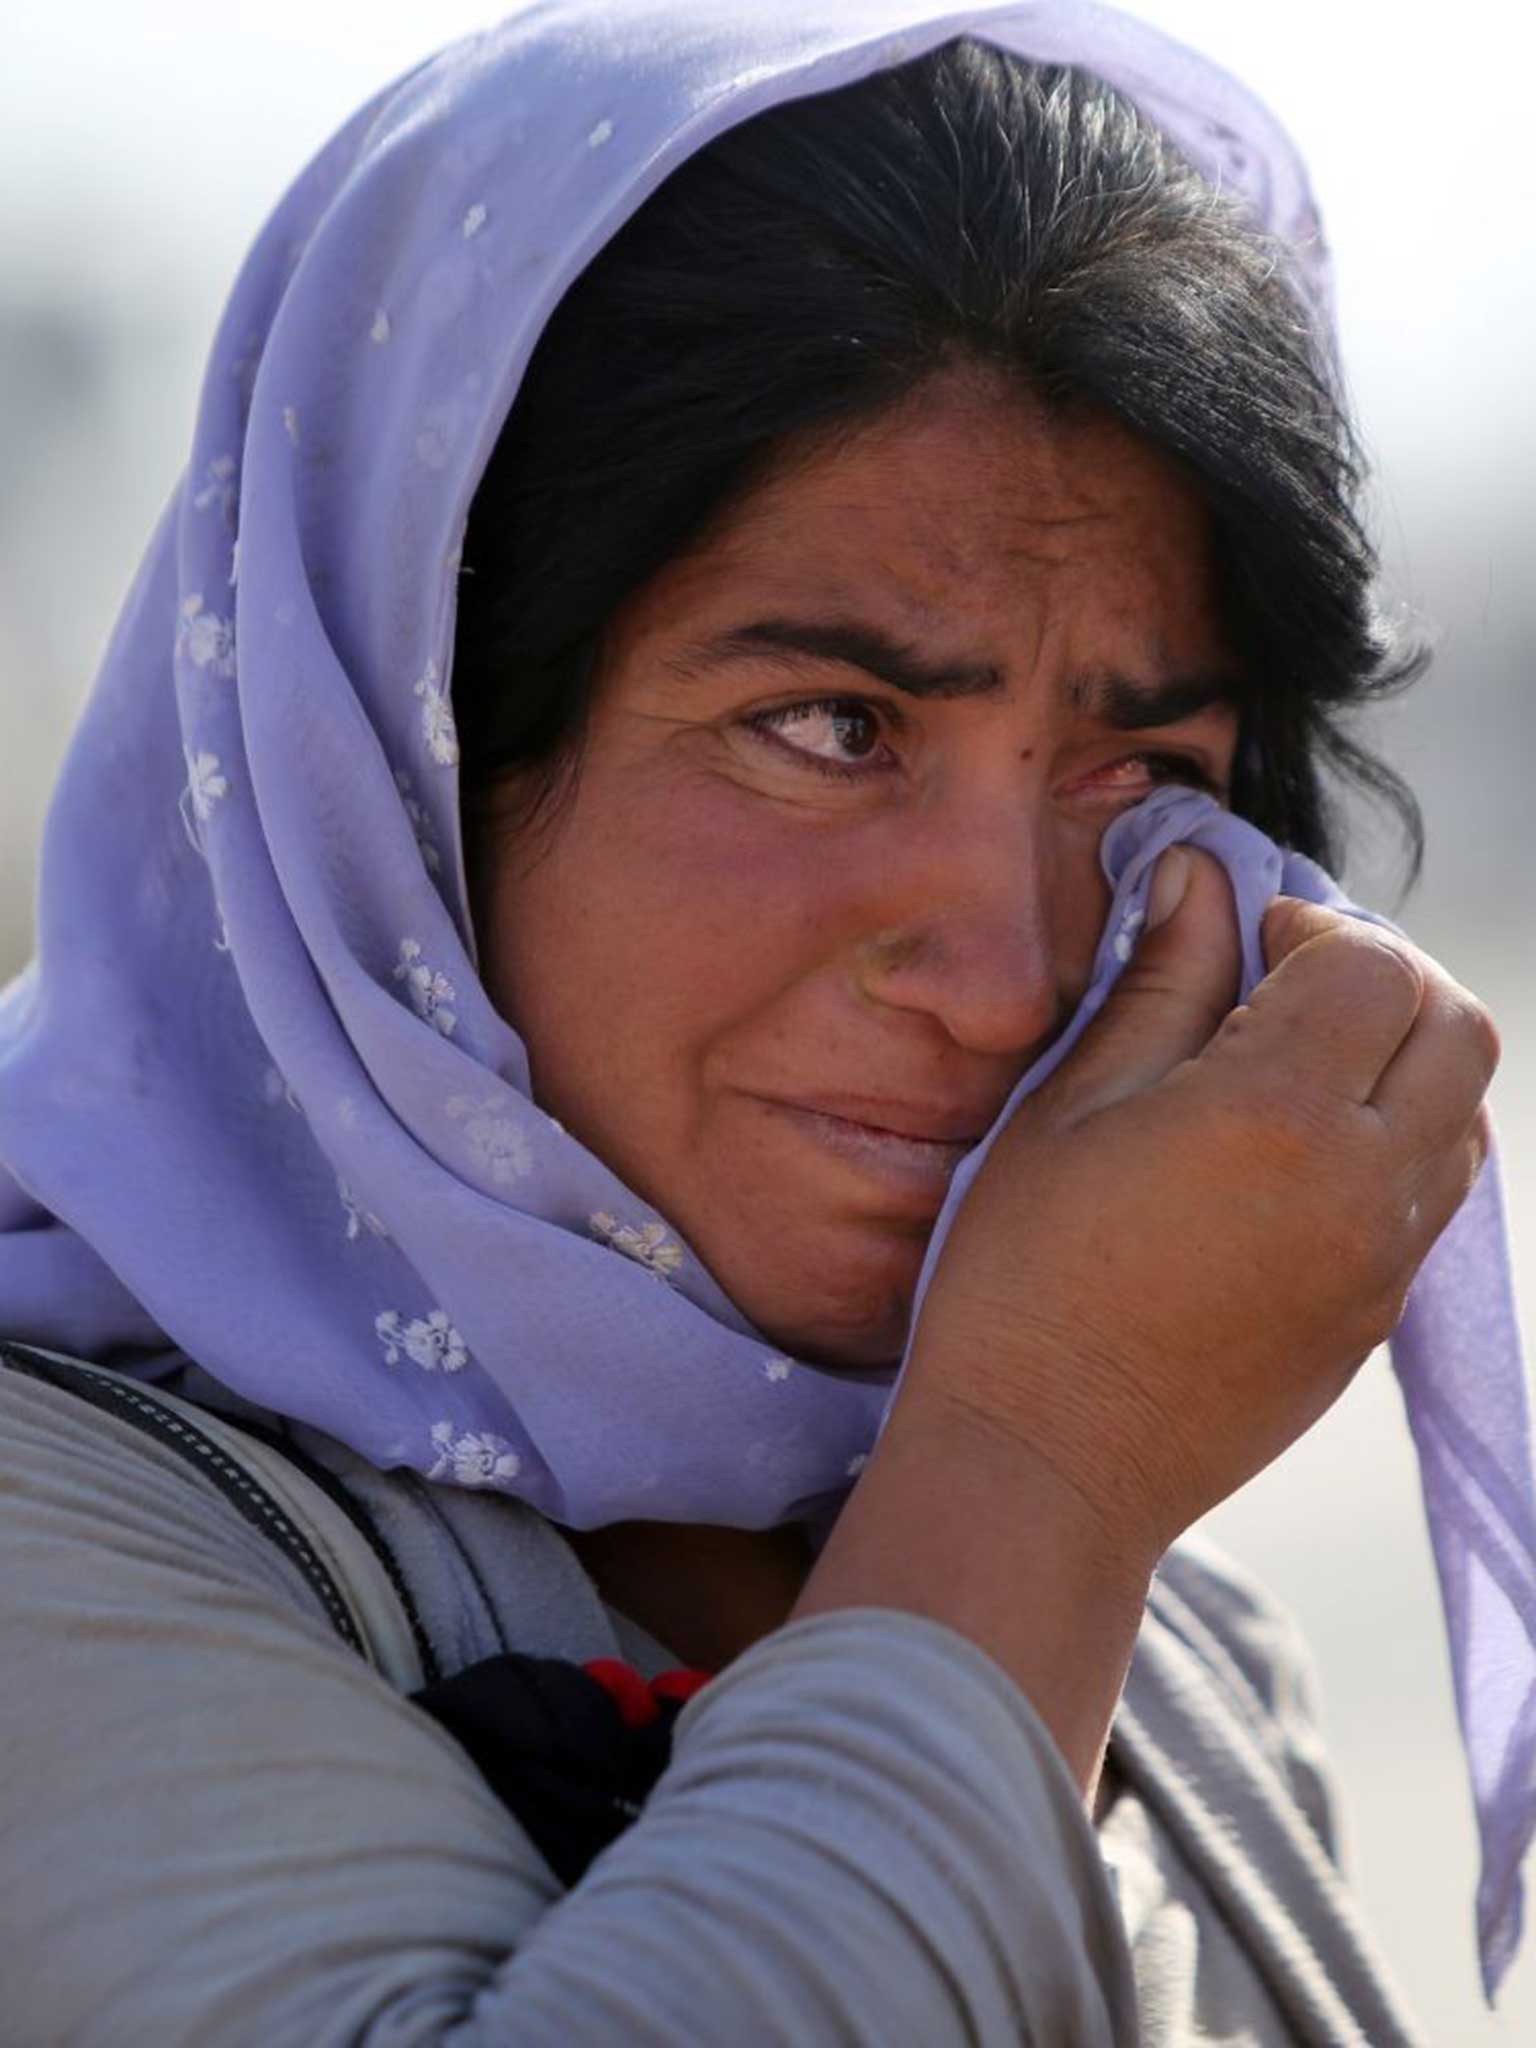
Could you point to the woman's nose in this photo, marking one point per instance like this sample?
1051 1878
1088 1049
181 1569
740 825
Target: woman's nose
987 949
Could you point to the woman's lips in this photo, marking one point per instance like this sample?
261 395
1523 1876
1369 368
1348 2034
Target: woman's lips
920 1167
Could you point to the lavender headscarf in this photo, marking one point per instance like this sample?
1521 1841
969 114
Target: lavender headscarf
255 1106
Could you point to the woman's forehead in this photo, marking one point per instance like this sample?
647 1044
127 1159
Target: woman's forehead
956 492
950 552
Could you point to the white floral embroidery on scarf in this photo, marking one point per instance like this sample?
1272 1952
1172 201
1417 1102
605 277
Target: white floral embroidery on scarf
473 221
205 783
1125 938
777 1368
421 824
291 423
358 1218
495 1140
204 638
437 726
477 1458
602 133
219 487
649 1244
429 1341
379 332
430 992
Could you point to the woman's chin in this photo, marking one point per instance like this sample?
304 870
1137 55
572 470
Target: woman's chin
852 1319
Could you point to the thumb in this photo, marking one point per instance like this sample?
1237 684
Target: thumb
1173 995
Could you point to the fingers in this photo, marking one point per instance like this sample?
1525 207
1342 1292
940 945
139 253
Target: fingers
1340 1000
1172 996
1432 1089
1349 1015
1289 922
1354 1015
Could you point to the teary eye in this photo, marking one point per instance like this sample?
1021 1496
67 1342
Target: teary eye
1154 767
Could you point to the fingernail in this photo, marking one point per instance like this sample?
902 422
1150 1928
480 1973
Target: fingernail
1168 886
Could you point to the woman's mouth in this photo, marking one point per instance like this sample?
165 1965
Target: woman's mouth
908 1162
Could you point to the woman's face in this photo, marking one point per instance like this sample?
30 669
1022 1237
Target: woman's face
828 880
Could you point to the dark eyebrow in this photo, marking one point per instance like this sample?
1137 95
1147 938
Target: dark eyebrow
1128 706
863 647
1121 703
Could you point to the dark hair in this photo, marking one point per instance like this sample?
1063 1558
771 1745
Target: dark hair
814 265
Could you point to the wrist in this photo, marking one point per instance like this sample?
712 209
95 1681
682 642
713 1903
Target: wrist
957 1519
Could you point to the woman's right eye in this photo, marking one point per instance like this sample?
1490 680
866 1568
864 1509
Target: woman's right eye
838 736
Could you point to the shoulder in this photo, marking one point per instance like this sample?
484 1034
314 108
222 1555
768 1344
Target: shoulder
175 1692
102 1477
1253 1650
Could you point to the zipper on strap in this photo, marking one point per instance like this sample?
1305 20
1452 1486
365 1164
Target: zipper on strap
132 1403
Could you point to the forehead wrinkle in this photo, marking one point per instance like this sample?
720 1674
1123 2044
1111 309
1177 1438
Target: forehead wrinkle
924 527
931 550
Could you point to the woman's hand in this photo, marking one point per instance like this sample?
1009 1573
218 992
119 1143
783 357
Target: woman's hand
1171 1263
1181 1248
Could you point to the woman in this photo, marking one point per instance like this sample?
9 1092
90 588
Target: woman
928 473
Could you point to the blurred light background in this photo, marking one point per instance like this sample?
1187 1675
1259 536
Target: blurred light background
141 145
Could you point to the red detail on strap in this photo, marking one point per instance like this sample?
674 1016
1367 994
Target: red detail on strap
627 1689
637 1702
680 1685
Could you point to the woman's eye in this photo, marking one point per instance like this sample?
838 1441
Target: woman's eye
1140 772
836 734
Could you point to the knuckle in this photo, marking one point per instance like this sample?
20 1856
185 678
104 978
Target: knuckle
1483 1040
1390 967
1356 975
1463 1041
1459 1011
1291 921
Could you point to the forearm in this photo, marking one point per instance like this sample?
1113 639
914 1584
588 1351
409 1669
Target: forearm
955 1520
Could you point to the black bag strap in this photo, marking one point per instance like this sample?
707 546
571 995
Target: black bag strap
174 1424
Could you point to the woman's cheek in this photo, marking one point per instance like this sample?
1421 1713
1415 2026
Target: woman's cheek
1081 901
747 866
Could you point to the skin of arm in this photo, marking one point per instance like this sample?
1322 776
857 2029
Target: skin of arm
1011 1557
